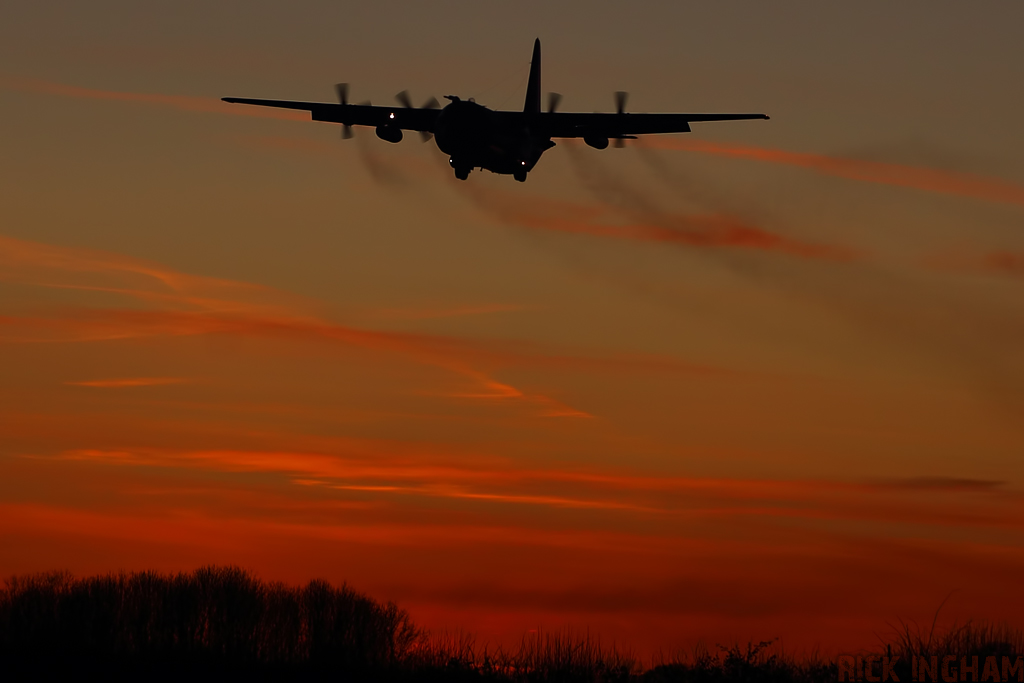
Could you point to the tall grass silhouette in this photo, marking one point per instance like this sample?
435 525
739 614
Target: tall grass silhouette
222 624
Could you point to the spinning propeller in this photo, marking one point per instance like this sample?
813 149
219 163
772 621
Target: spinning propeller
404 100
342 90
620 108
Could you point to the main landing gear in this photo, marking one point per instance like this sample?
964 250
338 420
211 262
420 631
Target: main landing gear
461 170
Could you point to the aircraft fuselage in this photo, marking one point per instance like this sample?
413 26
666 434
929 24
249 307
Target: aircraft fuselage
477 137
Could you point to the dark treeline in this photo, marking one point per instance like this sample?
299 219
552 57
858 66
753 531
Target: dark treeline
223 624
210 623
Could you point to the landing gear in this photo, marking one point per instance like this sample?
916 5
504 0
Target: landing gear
461 170
520 175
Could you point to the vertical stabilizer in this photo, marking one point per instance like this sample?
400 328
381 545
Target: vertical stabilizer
533 87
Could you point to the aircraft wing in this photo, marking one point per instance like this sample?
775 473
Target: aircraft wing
406 118
569 125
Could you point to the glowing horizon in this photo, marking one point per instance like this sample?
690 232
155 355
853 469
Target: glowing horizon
760 381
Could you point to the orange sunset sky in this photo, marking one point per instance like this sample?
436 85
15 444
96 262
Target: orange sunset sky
762 380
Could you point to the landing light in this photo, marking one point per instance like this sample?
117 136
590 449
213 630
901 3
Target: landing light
523 163
391 115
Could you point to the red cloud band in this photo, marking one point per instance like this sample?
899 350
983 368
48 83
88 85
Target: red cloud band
929 179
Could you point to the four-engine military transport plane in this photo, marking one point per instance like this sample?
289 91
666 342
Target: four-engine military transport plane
509 142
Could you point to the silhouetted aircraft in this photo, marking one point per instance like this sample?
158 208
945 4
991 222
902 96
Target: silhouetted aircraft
509 142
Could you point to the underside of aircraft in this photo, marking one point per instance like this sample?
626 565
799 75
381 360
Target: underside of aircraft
508 142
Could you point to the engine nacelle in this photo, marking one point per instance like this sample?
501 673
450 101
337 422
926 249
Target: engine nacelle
596 141
392 134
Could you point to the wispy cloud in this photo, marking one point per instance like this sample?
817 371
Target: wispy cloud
1001 262
941 484
61 267
699 231
227 532
179 304
206 105
408 470
916 177
1008 262
452 312
127 382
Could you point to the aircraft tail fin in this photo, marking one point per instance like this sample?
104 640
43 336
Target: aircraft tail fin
533 87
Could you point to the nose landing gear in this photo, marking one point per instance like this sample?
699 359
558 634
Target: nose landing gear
520 175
